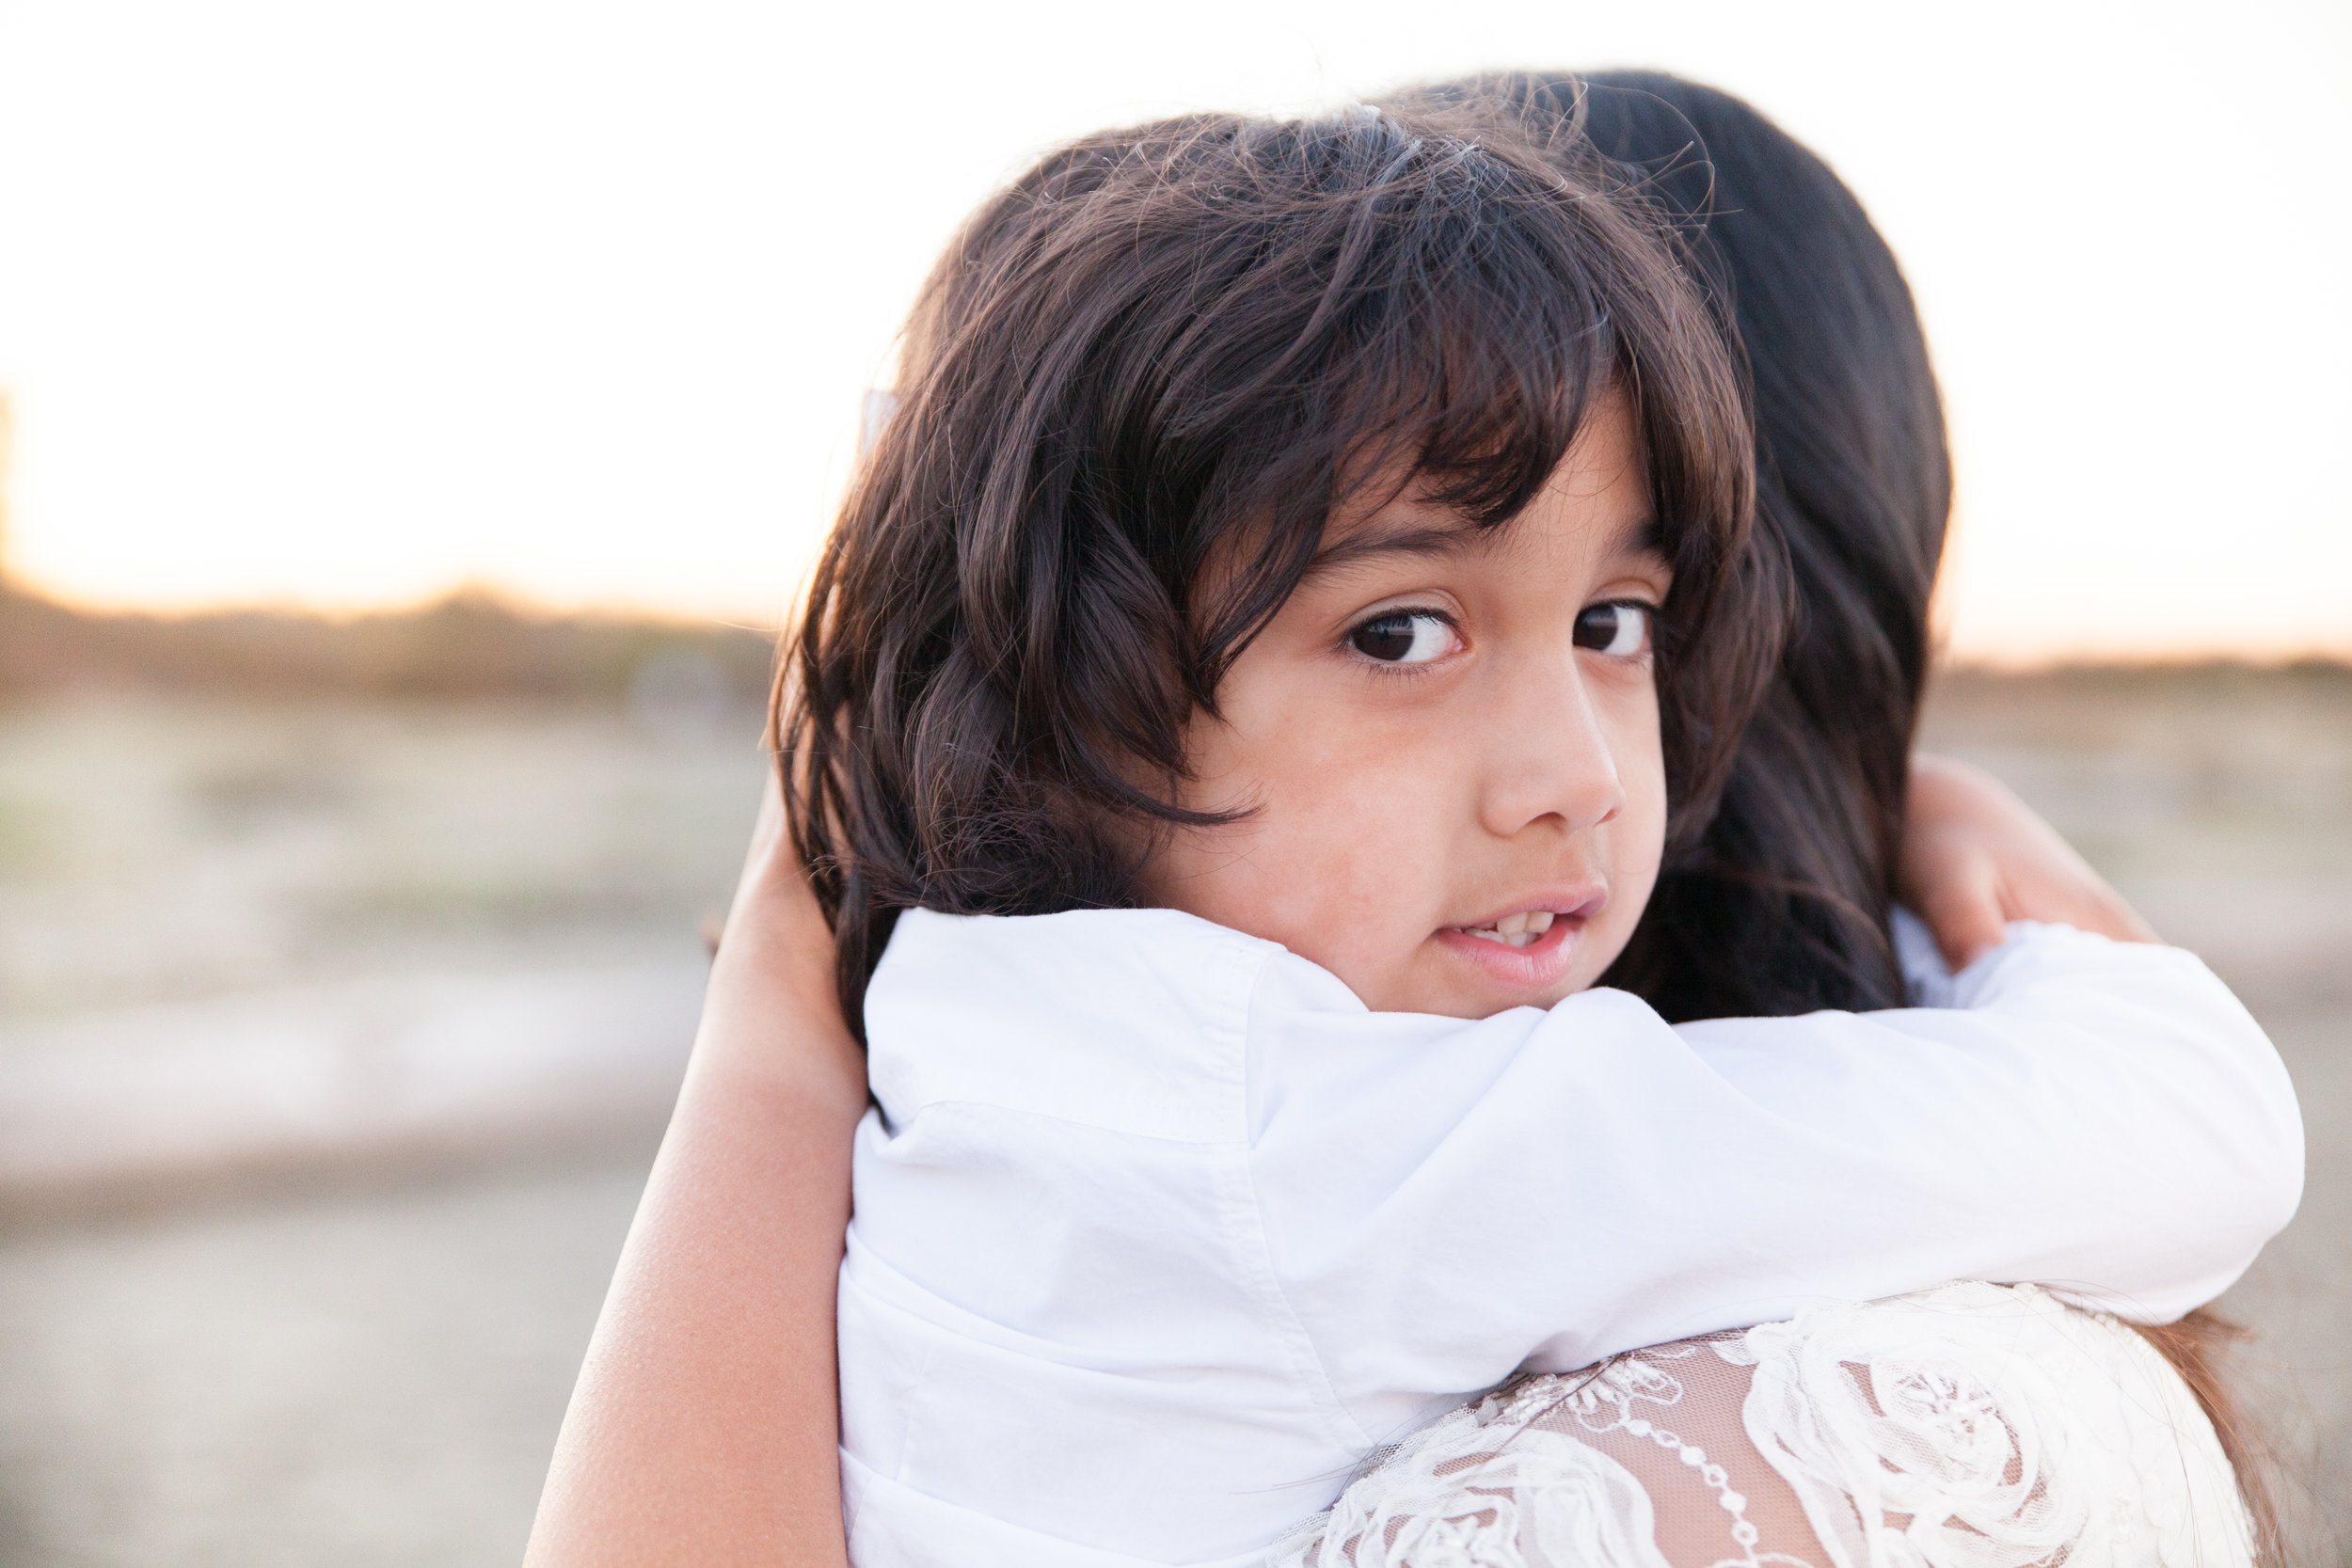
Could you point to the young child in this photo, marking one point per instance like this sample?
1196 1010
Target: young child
1301 597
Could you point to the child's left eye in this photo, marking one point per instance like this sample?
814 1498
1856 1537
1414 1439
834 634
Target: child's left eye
1404 637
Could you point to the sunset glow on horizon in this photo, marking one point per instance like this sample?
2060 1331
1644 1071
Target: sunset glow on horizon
343 308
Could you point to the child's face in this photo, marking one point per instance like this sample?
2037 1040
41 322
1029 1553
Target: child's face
1446 730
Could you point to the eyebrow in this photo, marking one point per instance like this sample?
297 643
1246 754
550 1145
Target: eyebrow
1449 539
1643 536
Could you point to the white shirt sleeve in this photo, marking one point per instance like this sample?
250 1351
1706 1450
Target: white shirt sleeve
1446 1201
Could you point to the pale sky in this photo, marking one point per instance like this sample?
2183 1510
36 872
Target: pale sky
344 304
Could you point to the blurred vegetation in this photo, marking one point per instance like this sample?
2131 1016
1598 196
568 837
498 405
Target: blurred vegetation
2055 703
197 804
472 643
2222 769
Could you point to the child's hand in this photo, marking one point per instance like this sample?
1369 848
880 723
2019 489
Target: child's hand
1976 857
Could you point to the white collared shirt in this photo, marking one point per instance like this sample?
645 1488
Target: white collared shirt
1159 1232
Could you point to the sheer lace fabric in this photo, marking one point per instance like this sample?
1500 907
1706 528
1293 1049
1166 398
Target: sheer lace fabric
1971 1426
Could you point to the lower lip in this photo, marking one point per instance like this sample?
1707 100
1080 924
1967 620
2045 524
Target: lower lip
1541 964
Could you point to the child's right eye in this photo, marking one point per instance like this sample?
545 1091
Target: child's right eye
1404 637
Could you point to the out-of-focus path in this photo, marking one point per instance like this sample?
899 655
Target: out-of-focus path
355 1379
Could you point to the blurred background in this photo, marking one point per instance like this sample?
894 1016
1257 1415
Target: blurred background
418 418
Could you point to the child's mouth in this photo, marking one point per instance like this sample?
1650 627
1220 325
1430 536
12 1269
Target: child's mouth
1527 948
1512 930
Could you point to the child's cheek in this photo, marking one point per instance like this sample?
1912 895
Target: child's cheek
1637 846
1350 824
1338 855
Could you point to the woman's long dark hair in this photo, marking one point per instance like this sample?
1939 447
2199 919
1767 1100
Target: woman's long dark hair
1783 906
1179 345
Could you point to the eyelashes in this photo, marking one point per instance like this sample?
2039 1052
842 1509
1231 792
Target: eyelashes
1400 639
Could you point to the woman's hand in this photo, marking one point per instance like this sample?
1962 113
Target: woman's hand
1976 857
704 1425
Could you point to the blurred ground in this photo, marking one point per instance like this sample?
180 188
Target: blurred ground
420 973
335 1037
2220 801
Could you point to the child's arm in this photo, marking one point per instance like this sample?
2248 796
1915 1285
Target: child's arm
1442 1199
703 1429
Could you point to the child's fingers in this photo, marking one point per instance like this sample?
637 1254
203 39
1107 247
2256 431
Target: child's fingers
776 916
1976 856
1963 906
2079 897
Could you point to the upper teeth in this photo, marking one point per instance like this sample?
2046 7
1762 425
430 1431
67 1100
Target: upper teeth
1513 931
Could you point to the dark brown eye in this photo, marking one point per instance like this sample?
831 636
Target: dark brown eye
1404 637
1619 629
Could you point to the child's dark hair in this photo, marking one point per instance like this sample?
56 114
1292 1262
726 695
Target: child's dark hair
1130 394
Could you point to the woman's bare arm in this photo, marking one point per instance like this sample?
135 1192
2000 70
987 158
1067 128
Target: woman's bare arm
704 1427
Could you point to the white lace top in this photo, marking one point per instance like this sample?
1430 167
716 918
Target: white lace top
1972 1426
1159 1232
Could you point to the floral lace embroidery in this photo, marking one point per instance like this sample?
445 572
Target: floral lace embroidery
1974 1426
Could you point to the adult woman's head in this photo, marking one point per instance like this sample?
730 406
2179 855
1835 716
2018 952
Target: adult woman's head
1781 907
1136 391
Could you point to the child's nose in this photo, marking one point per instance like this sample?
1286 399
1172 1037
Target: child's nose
1550 754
